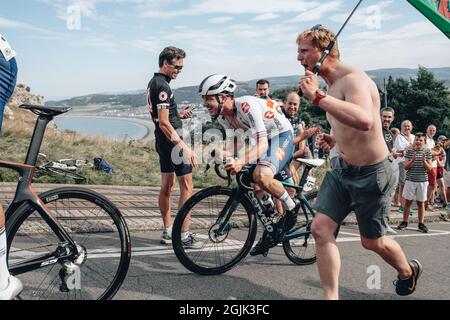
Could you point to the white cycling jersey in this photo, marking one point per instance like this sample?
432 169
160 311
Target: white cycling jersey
264 117
6 49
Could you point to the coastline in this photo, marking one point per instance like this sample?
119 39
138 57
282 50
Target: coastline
147 123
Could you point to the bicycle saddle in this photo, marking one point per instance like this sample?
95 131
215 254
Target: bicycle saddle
48 111
312 162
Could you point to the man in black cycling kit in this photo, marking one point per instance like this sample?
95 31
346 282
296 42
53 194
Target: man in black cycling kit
175 157
10 286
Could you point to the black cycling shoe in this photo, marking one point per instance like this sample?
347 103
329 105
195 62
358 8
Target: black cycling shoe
402 225
260 248
264 244
407 286
423 228
290 219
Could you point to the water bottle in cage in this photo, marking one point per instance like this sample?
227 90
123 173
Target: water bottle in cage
268 204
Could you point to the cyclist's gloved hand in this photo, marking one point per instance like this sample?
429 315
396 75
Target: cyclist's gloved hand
233 165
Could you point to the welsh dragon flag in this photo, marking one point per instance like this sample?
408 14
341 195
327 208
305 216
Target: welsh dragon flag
437 11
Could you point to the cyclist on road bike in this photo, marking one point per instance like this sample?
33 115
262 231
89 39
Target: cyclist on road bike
271 131
10 286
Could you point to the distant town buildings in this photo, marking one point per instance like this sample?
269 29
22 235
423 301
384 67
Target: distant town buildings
199 114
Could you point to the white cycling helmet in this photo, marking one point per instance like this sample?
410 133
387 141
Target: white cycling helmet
217 84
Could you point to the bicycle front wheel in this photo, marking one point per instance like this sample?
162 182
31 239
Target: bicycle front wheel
100 233
213 253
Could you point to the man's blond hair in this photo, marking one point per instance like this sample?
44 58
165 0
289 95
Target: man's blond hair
320 38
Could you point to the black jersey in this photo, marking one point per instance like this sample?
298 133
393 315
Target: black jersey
160 96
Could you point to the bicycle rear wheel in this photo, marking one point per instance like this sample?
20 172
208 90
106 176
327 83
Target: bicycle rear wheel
102 239
301 250
215 254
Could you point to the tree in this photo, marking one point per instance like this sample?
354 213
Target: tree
423 100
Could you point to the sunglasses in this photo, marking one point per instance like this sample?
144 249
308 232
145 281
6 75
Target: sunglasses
316 27
177 67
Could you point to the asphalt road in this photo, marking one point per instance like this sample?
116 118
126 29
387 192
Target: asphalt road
156 274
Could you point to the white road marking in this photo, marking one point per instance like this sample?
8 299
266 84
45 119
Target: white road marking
104 253
432 230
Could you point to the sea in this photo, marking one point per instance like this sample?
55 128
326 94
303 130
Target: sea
111 128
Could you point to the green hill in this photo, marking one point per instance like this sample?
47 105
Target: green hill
101 102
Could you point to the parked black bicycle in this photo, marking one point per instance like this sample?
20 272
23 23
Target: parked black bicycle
223 221
67 243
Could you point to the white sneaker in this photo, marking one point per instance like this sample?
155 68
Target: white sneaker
166 238
389 230
13 289
191 242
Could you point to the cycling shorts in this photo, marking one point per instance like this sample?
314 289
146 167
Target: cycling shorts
280 152
170 161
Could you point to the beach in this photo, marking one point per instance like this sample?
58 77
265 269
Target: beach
145 133
147 123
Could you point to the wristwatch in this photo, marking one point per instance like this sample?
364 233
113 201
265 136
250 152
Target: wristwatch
320 94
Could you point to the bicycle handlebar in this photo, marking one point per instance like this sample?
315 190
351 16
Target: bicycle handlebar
217 168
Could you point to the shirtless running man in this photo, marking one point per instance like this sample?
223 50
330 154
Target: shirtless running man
365 177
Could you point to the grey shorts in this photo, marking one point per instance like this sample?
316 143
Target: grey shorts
367 190
401 174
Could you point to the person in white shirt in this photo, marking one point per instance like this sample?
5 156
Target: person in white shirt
272 139
432 174
403 142
10 286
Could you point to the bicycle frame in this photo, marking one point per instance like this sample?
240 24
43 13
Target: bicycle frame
24 196
306 207
244 189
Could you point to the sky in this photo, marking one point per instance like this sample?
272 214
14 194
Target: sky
69 48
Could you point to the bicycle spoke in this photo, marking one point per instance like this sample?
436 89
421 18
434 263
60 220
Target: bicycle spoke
45 277
217 253
96 279
85 221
